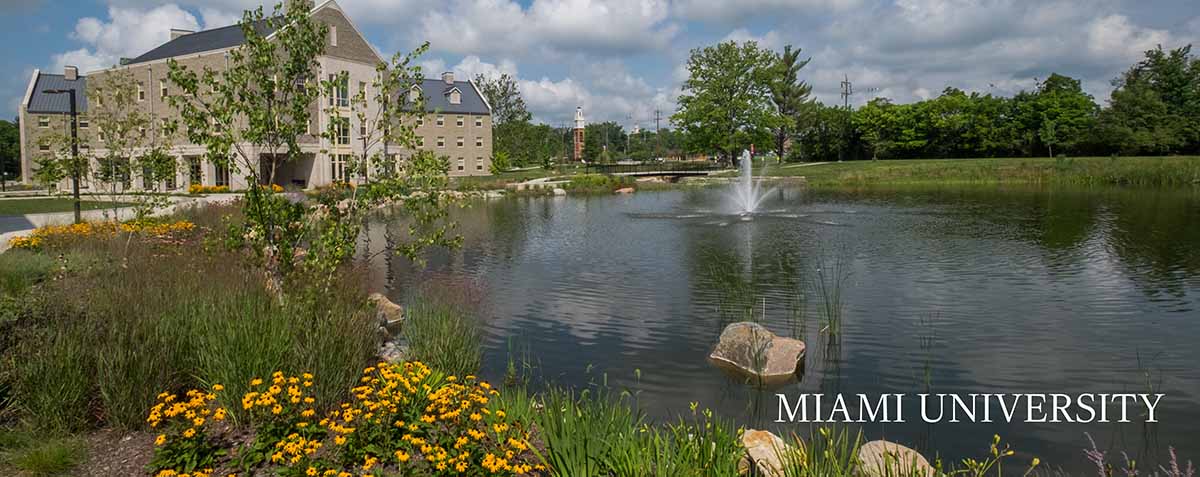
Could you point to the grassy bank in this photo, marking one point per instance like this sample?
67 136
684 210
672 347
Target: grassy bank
46 205
1182 171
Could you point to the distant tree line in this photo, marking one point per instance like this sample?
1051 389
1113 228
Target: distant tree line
739 94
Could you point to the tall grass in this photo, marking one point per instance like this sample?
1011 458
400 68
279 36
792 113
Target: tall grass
831 279
442 327
98 345
20 269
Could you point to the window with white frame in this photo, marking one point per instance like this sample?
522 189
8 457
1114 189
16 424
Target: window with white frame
43 122
441 141
83 123
478 163
141 92
340 96
44 146
478 122
162 88
221 175
441 121
478 142
337 167
332 35
420 121
461 142
342 131
462 163
461 121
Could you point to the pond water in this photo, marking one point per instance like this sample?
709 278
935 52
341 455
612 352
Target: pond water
981 289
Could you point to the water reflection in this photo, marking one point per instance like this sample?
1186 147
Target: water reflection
981 289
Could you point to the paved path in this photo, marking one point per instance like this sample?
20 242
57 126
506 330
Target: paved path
806 164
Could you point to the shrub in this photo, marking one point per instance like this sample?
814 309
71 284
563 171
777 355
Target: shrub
60 236
203 189
597 183
184 443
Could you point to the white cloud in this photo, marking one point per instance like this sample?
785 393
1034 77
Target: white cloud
127 32
737 12
1115 37
769 39
603 27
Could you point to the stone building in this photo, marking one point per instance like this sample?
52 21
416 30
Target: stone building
457 123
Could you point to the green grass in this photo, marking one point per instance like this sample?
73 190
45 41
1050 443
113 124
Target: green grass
1177 171
9 207
20 269
38 456
442 330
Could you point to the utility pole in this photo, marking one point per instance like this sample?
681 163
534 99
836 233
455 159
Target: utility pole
75 173
847 90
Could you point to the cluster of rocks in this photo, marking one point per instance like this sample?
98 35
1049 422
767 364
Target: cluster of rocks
390 318
767 455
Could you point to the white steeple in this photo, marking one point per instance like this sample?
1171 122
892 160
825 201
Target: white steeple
579 123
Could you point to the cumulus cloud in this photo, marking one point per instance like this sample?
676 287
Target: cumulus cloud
600 27
770 39
126 32
736 12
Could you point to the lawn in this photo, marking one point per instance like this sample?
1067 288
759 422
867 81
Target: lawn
1173 171
45 206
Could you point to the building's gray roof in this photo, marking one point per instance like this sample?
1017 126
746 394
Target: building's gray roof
201 41
437 98
40 102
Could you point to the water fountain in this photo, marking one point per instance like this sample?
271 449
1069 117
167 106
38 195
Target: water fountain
747 192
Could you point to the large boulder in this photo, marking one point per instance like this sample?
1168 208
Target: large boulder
765 453
560 191
624 190
889 459
389 314
751 349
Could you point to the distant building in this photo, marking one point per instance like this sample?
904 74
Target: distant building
457 123
579 127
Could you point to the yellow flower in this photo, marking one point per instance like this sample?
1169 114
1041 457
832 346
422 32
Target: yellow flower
189 433
160 440
218 387
402 456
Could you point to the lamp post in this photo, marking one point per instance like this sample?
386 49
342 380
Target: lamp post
74 148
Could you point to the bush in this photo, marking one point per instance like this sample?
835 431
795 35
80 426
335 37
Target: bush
597 183
203 189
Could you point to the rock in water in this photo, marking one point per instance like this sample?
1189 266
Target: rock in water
764 452
560 191
389 314
624 190
752 349
889 459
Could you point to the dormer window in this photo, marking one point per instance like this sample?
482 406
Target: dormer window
454 96
414 94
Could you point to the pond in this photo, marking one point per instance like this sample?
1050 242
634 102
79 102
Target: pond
979 289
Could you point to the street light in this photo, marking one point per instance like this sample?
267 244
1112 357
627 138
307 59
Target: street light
74 147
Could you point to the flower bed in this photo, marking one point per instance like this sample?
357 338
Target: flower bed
402 419
54 234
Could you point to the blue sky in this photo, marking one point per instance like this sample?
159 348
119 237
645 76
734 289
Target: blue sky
623 59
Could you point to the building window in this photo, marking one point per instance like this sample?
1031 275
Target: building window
441 141
462 163
420 121
362 88
362 128
478 122
342 129
479 142
441 121
337 167
341 90
195 172
461 143
478 163
332 36
162 88
99 97
455 97
163 125
141 93
44 147
222 175
460 121
43 122
142 131
83 123
100 133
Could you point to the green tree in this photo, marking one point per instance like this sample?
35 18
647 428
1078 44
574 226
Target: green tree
1155 106
599 138
504 96
250 116
10 151
726 104
788 94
